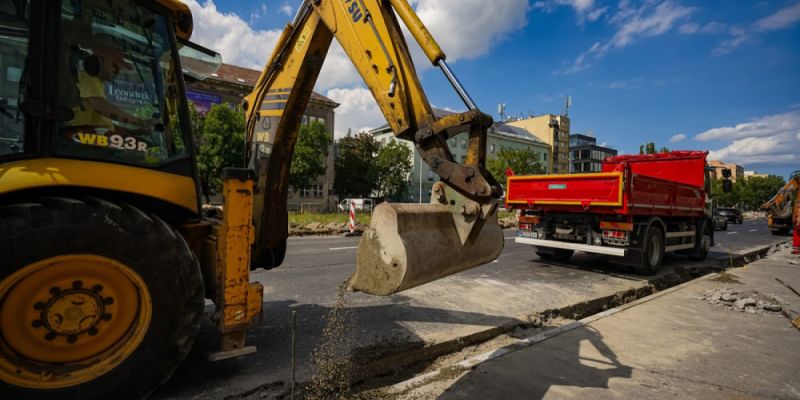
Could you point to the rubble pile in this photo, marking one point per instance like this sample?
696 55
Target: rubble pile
750 301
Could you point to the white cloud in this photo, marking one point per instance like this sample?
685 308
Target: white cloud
690 28
287 9
467 29
678 138
230 35
710 28
633 24
781 19
772 139
760 127
628 84
713 27
584 8
358 110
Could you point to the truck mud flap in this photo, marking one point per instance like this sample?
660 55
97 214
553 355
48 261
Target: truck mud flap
408 245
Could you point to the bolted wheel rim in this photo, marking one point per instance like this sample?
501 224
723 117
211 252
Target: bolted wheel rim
69 319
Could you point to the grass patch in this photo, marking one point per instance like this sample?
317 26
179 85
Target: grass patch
327 218
303 219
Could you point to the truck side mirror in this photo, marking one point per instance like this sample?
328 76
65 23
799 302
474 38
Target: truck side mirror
727 185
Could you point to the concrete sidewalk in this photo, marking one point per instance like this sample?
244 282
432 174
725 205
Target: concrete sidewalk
681 343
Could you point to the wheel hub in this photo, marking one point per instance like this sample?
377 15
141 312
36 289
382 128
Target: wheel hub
68 319
73 312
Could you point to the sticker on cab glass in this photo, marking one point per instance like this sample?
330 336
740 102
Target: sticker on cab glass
113 141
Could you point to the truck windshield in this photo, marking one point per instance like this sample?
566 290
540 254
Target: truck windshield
14 32
119 79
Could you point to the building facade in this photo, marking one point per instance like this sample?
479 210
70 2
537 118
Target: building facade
553 130
585 155
737 171
754 174
500 136
230 84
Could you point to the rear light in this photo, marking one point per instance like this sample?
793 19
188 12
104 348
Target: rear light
525 227
623 236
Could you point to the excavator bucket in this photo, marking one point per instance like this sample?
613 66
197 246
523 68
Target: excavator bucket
408 245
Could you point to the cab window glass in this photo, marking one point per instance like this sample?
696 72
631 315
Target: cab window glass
119 80
14 32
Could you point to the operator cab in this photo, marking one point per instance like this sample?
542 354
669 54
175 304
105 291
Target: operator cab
97 80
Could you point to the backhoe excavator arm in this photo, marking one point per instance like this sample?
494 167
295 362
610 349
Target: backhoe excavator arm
784 196
370 35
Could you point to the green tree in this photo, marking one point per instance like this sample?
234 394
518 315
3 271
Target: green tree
221 145
748 194
650 148
309 155
393 164
354 167
521 161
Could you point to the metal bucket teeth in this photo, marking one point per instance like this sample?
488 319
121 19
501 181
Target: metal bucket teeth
408 245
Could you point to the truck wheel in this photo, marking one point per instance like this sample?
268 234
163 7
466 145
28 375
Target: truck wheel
557 255
780 232
653 254
702 244
97 300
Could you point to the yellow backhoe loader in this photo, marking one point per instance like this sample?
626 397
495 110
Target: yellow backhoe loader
106 255
784 208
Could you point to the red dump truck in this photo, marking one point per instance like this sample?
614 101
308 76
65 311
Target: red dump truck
636 209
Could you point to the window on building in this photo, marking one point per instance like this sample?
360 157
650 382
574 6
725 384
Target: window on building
463 143
315 191
491 148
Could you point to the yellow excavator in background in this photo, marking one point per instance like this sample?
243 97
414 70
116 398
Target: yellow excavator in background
783 209
106 255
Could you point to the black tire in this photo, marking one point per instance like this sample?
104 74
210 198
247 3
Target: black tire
780 232
703 241
653 252
561 255
51 227
740 221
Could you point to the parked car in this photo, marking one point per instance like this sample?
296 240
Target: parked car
732 215
720 222
363 205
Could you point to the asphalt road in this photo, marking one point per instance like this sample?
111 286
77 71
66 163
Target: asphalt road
517 282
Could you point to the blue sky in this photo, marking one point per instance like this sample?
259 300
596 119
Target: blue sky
711 75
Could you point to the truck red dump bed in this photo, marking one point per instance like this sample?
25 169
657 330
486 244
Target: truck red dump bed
668 184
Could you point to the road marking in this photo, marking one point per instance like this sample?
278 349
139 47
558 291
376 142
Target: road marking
342 248
732 233
753 230
510 237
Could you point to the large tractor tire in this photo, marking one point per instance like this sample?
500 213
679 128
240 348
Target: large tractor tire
97 300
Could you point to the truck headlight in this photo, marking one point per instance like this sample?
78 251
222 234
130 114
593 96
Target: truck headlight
598 241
